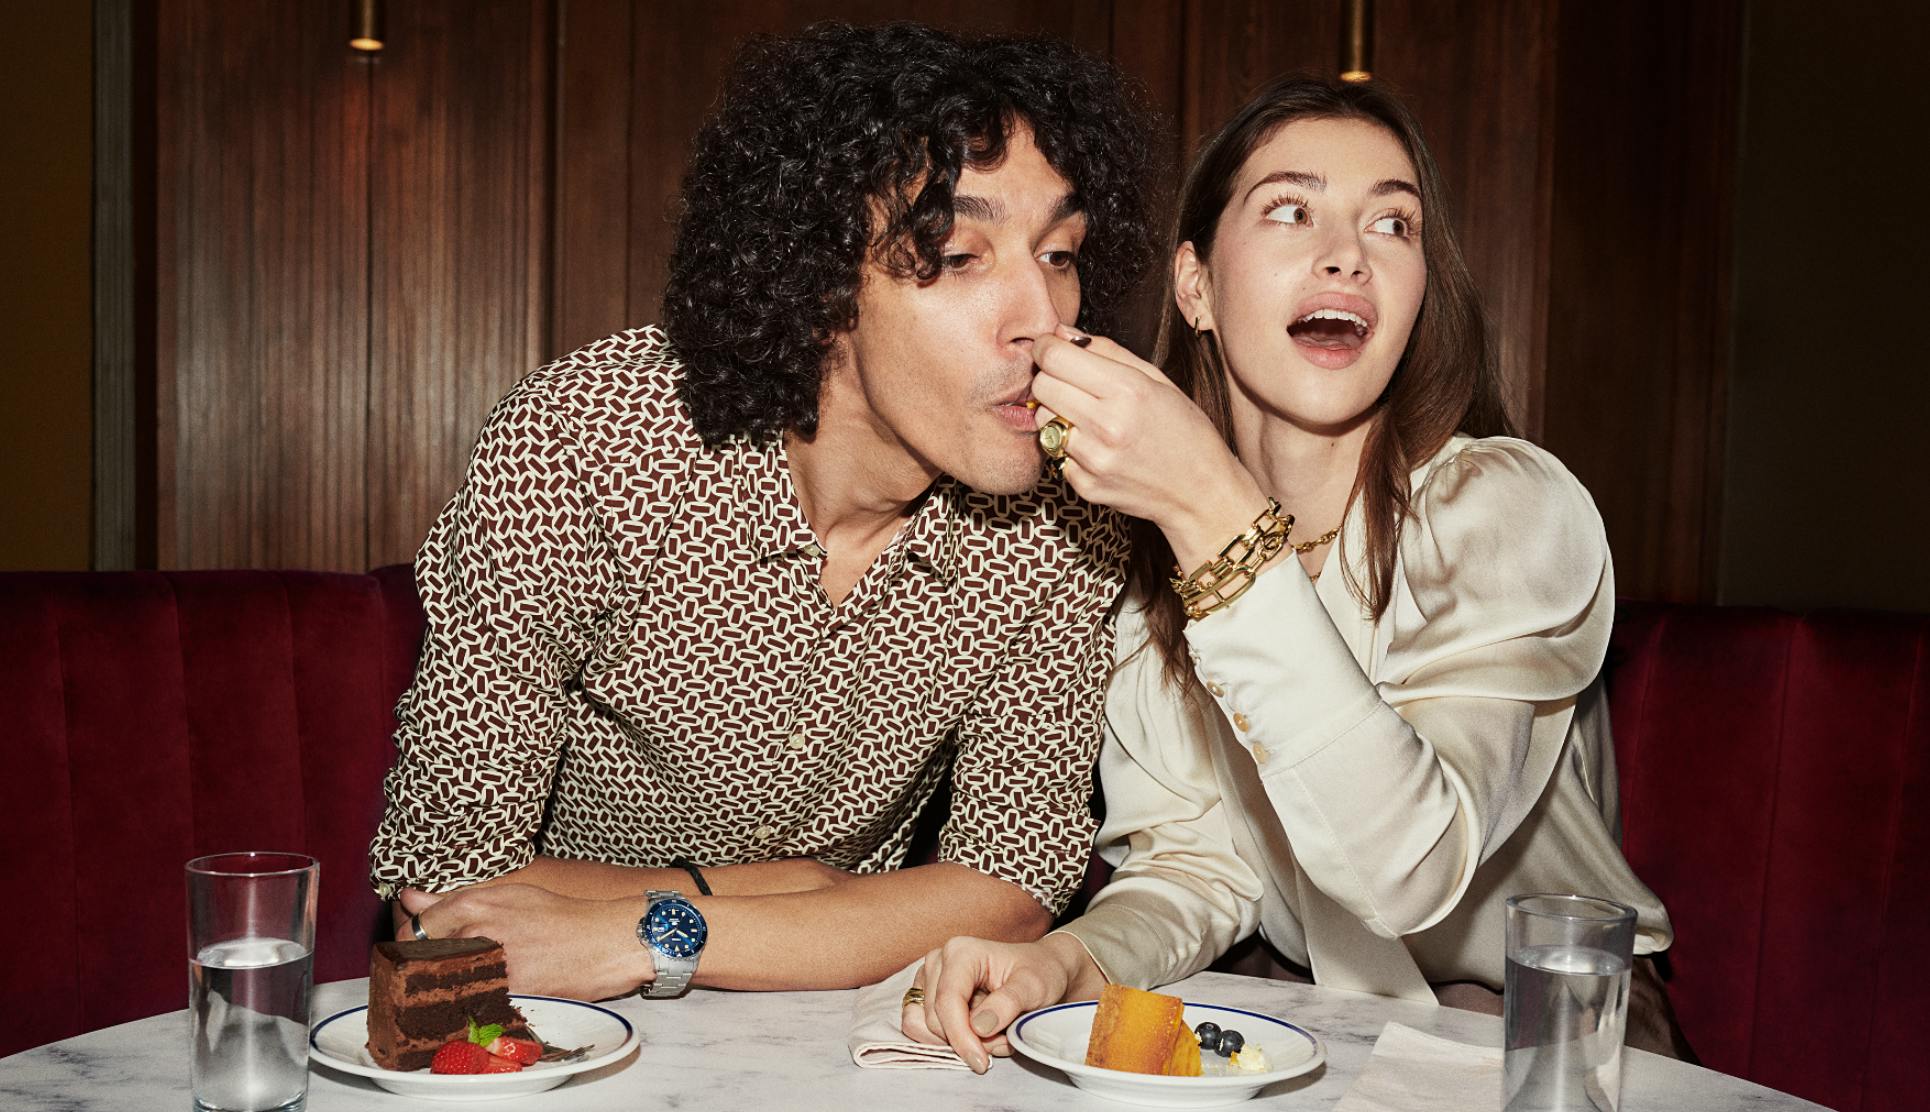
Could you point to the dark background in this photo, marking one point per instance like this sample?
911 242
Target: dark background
257 291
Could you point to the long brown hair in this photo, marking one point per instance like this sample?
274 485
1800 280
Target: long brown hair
1446 382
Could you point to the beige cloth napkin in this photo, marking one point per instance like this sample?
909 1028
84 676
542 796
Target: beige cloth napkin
1412 1071
877 1042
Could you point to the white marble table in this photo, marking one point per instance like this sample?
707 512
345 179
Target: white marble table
771 1051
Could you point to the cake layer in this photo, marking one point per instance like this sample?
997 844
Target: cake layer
1142 1032
423 994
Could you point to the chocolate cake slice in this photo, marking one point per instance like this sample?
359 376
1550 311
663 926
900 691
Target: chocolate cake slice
422 994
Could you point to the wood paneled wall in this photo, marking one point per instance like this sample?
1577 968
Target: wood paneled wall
459 202
1640 262
357 258
262 251
353 262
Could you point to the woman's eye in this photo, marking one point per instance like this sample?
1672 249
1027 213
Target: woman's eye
1060 260
957 261
1392 226
1289 213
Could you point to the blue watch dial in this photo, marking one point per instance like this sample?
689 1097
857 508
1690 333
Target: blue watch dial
675 928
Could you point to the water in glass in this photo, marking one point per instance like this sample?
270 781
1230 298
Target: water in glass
1577 997
248 1002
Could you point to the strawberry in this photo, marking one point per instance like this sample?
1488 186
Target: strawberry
499 1064
522 1051
461 1056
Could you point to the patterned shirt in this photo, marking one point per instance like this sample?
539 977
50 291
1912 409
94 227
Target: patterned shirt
630 657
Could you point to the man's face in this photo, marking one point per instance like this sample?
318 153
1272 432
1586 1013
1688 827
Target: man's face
940 371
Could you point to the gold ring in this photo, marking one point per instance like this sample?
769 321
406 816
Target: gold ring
1053 436
914 997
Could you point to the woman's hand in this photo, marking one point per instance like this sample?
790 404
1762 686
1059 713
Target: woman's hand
1141 446
975 988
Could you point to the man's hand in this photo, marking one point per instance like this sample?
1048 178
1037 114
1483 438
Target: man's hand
556 945
975 988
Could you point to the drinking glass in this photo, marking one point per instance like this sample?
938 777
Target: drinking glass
251 941
1566 1003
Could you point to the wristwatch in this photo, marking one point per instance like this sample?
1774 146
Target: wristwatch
674 932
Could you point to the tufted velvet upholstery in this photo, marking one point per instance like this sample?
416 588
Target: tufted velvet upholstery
149 718
1775 793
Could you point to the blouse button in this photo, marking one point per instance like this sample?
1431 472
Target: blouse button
796 741
1216 688
1241 724
764 833
1260 753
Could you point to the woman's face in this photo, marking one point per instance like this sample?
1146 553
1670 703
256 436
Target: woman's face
1316 275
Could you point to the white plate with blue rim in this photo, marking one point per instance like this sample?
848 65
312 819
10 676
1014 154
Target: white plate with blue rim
1057 1037
339 1043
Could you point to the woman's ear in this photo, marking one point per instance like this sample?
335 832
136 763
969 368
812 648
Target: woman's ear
1192 288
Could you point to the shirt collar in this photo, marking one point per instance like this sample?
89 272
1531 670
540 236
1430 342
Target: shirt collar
775 524
931 537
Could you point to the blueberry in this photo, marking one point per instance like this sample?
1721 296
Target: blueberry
1209 1033
1231 1043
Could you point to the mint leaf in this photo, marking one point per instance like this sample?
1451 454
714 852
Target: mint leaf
486 1034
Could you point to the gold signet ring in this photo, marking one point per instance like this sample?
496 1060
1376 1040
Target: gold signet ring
914 997
1053 436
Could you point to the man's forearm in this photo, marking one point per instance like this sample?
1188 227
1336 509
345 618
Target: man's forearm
837 935
596 880
860 931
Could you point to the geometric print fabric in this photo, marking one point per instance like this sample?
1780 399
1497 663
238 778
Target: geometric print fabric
629 657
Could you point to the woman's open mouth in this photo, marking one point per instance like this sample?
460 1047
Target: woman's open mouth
1332 329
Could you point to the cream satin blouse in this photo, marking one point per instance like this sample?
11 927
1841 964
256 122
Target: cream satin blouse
1368 794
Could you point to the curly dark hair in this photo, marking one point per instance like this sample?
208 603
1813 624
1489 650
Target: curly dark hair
808 168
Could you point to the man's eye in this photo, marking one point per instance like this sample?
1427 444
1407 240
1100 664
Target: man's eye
957 261
1060 260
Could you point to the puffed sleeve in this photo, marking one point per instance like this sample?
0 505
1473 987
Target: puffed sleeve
1394 789
1180 893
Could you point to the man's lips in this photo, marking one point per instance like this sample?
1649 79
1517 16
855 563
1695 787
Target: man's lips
1016 408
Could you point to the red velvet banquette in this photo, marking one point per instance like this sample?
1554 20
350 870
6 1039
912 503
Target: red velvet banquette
1775 790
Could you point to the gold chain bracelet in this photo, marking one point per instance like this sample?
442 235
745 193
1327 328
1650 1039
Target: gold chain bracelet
1227 576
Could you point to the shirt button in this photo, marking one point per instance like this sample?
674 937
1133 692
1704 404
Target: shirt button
1216 688
1241 724
796 742
764 833
1260 753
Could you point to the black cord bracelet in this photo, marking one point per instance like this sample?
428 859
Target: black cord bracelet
696 874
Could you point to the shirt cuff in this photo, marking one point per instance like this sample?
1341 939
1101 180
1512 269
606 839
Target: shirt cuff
1279 670
1074 935
1130 935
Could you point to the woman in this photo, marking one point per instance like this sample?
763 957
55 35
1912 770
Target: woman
1360 739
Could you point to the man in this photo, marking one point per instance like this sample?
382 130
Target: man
720 613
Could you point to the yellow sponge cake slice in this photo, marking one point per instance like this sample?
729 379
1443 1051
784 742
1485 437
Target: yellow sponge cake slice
1142 1032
